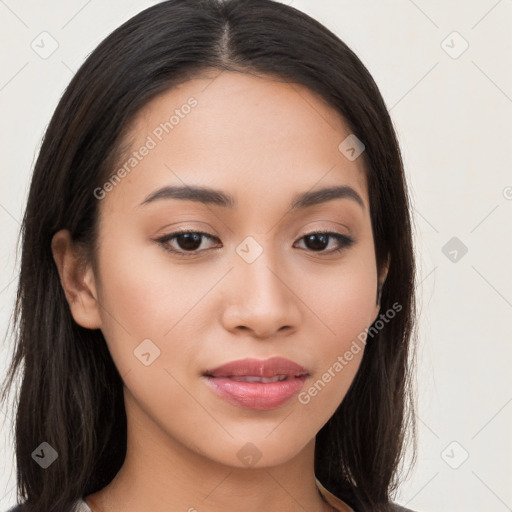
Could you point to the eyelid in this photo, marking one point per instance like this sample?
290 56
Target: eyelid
325 229
345 240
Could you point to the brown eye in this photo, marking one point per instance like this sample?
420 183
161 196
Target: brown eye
184 242
319 241
189 241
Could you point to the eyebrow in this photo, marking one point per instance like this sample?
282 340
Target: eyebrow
212 196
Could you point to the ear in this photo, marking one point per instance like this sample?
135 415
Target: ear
381 279
77 280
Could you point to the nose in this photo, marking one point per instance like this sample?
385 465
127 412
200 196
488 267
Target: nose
261 299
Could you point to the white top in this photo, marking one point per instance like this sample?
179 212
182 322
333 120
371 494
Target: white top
82 507
330 498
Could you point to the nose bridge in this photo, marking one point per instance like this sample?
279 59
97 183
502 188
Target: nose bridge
262 300
256 265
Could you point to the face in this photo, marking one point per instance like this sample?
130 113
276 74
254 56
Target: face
249 280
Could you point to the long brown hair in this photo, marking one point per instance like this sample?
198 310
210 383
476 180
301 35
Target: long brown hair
71 392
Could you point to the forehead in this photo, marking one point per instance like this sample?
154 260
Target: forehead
230 130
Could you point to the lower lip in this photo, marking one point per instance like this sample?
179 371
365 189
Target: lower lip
256 395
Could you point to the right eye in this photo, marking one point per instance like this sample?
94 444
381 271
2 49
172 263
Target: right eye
187 242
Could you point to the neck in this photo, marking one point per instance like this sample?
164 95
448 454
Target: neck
161 474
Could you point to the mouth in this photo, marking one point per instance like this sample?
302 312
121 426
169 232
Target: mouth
252 378
257 384
274 368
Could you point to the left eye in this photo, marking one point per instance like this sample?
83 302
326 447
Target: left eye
190 241
319 239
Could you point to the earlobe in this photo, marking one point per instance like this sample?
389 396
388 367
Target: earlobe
77 281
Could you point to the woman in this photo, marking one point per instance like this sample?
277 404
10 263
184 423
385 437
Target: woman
215 305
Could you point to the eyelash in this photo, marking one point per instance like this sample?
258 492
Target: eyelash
344 240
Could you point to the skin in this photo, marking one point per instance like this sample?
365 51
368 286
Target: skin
262 141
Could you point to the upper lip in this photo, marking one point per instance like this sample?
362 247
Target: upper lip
258 368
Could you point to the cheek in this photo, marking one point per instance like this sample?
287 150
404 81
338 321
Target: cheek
135 303
344 298
145 297
346 308
344 303
141 291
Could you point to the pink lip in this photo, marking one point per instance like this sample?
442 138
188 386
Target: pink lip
257 395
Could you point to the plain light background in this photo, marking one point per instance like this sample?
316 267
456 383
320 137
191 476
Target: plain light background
444 71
